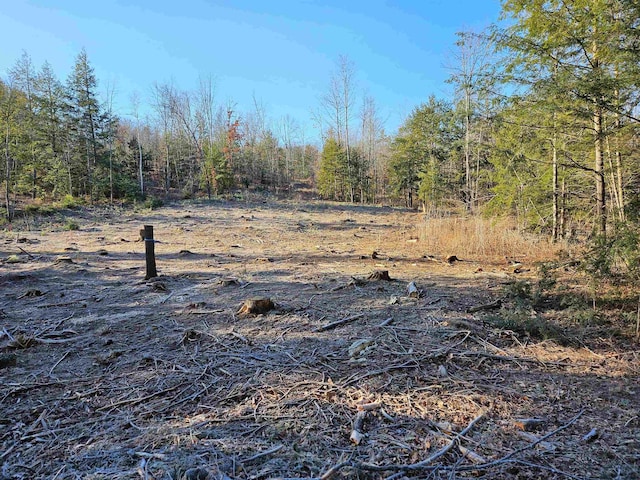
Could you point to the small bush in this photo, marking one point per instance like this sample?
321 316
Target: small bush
38 209
615 257
71 225
69 201
519 291
523 323
152 203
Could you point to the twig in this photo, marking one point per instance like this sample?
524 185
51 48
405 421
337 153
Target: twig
424 464
273 450
58 472
385 322
549 469
358 423
164 300
357 378
26 253
8 451
532 444
333 470
63 304
638 320
59 361
135 401
337 323
446 448
157 456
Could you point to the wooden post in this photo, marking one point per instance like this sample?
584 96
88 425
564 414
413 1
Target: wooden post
149 248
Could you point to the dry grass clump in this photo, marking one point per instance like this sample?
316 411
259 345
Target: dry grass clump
475 236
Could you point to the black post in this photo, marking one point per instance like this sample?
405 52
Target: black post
149 249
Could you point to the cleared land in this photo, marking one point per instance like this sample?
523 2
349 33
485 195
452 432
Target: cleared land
106 375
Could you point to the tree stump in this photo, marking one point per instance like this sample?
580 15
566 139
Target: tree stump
256 306
380 275
451 259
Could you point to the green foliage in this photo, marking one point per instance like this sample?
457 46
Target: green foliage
153 203
216 175
615 257
527 294
69 201
523 322
39 209
71 225
332 174
422 153
520 291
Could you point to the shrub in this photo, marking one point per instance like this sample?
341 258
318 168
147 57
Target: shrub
152 203
69 201
71 225
615 257
524 323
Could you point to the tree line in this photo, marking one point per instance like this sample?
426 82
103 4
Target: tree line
542 123
66 139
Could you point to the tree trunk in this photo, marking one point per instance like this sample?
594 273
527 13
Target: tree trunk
600 206
467 153
7 191
140 172
563 210
167 179
556 209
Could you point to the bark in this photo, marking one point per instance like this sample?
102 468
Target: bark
556 210
600 206
7 191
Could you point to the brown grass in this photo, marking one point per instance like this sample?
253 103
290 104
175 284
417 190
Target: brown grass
488 238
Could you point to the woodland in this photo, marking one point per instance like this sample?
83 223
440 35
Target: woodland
541 125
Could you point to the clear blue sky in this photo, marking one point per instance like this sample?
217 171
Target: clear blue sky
280 51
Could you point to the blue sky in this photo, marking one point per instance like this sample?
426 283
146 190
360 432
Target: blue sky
281 52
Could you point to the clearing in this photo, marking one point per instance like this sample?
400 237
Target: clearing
104 375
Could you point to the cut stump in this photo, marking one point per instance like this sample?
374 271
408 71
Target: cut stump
256 306
380 275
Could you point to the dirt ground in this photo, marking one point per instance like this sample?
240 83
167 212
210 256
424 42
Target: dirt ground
104 375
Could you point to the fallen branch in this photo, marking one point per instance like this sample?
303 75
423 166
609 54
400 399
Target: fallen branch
424 464
356 378
357 433
337 323
385 323
136 401
412 290
59 361
26 253
271 451
333 470
509 458
485 307
64 304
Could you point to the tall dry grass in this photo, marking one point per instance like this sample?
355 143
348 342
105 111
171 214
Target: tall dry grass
488 238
